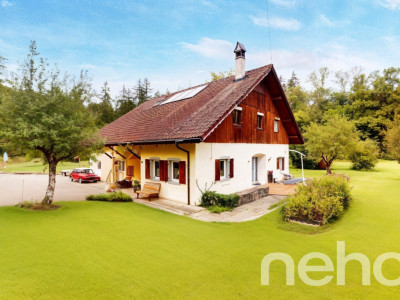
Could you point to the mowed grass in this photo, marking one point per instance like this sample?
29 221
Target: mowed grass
37 166
88 250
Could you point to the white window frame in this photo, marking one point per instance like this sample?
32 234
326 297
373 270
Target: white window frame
281 165
261 115
171 170
225 163
238 109
153 169
121 163
276 125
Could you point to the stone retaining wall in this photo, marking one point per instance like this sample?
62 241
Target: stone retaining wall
253 194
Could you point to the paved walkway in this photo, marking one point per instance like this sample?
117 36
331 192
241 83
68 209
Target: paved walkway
15 188
34 188
246 212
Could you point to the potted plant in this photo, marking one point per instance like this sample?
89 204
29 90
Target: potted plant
136 185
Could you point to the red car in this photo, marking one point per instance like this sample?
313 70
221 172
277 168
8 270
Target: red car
84 174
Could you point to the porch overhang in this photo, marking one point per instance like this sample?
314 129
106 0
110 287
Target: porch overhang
154 142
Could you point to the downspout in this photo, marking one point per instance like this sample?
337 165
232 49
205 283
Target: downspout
188 167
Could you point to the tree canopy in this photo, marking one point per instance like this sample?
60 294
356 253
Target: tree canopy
46 113
371 101
334 139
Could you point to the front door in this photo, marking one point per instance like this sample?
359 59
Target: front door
254 169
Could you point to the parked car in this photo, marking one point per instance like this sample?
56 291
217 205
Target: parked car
84 174
65 172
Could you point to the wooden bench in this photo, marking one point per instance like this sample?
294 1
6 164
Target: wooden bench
150 190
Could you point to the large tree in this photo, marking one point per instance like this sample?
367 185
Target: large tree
142 91
125 102
393 139
46 113
2 67
375 100
334 139
102 109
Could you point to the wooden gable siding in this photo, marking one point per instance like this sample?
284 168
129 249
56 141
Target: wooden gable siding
259 100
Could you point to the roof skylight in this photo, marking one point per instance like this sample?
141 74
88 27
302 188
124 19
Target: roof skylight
185 94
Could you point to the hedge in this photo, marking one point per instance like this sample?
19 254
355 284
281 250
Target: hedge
111 197
319 201
211 198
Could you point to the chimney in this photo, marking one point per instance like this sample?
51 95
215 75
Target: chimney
240 72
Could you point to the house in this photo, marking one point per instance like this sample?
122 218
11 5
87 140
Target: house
233 131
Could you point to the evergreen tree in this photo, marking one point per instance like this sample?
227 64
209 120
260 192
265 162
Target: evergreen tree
293 81
125 102
103 110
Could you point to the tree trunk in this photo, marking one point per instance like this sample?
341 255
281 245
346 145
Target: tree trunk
48 198
328 168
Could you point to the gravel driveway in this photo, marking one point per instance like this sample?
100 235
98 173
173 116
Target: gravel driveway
11 191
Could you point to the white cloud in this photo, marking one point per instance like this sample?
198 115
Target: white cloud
324 20
279 23
219 49
209 4
332 55
284 3
6 3
391 4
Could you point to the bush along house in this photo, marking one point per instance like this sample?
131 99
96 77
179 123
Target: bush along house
234 132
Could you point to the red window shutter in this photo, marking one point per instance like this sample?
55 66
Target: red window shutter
182 172
231 171
163 170
217 170
129 171
277 163
283 164
147 168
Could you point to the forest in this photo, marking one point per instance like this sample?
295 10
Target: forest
348 114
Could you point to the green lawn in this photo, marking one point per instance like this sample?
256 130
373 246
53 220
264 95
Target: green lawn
37 166
88 250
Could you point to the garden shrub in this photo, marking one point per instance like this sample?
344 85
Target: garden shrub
365 156
111 197
319 201
211 198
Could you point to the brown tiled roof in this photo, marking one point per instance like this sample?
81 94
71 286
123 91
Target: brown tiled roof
185 119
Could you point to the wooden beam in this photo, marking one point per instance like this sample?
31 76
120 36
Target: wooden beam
117 152
109 156
276 98
133 153
293 137
286 120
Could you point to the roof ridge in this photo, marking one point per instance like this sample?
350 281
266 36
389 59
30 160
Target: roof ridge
207 82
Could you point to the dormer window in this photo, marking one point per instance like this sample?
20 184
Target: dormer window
237 116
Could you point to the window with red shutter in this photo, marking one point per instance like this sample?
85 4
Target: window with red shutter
163 170
147 168
129 171
182 172
231 171
217 170
280 163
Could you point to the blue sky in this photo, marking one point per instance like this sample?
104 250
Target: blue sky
177 43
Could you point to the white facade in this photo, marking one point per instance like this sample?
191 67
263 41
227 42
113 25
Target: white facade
202 167
267 155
